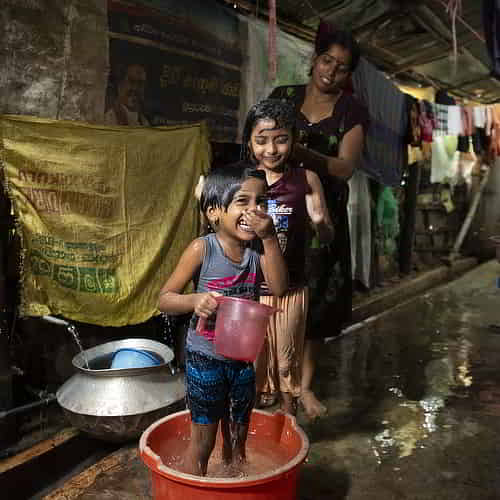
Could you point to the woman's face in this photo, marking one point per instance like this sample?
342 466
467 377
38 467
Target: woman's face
331 69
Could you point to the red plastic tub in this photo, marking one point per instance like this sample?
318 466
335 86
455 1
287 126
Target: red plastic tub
266 430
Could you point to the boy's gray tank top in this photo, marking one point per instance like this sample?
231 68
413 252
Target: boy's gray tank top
219 274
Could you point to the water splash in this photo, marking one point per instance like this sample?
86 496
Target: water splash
168 329
72 329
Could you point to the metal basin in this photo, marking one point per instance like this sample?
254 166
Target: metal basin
119 404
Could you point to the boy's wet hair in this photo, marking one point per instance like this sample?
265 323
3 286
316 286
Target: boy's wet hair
282 112
223 183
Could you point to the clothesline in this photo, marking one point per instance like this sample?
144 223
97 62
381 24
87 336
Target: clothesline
480 122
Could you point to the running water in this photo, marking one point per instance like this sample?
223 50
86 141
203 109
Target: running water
72 329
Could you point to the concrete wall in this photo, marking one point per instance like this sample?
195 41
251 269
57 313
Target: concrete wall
54 58
54 64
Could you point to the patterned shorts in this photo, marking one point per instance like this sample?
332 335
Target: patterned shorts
219 389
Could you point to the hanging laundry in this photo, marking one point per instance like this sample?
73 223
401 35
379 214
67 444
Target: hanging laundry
427 121
414 133
441 114
442 97
441 107
465 167
495 130
360 225
468 120
445 158
463 143
479 116
387 213
455 120
417 154
480 141
468 129
489 121
384 154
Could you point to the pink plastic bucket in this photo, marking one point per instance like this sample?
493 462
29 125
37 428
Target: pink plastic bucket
265 430
240 327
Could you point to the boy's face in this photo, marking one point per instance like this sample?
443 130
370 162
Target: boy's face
271 146
250 196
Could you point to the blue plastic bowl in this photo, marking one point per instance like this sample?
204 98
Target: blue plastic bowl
133 358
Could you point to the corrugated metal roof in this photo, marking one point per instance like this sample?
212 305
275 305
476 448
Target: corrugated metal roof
411 40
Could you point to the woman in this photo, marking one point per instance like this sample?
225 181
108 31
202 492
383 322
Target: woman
331 126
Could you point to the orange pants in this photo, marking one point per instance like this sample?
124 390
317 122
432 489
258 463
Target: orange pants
279 367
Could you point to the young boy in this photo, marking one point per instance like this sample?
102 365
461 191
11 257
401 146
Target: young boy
220 389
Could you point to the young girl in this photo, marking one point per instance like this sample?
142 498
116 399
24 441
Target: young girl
295 195
220 389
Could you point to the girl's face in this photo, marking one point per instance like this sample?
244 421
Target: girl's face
231 222
331 69
270 146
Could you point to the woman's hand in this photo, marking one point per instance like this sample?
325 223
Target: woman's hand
205 304
261 223
317 208
316 211
301 155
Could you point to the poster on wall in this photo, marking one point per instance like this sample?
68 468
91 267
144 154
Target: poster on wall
174 63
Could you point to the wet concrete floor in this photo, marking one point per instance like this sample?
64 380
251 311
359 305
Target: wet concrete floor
414 401
414 405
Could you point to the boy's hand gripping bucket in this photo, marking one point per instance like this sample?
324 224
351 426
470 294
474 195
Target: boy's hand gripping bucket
240 327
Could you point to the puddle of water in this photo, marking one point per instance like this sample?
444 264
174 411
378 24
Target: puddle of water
400 374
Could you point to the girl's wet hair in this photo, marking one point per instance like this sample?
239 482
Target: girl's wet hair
223 183
282 112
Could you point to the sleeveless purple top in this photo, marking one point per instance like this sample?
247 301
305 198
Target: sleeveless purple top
287 206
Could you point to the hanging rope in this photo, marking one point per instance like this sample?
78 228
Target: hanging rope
453 8
272 49
467 25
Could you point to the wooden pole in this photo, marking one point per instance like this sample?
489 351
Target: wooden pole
410 217
455 252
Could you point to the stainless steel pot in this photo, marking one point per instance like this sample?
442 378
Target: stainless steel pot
119 404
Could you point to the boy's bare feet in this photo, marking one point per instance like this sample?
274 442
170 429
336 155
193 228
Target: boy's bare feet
312 406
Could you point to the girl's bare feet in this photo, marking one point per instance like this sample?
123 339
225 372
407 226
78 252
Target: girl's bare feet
288 403
312 406
266 400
